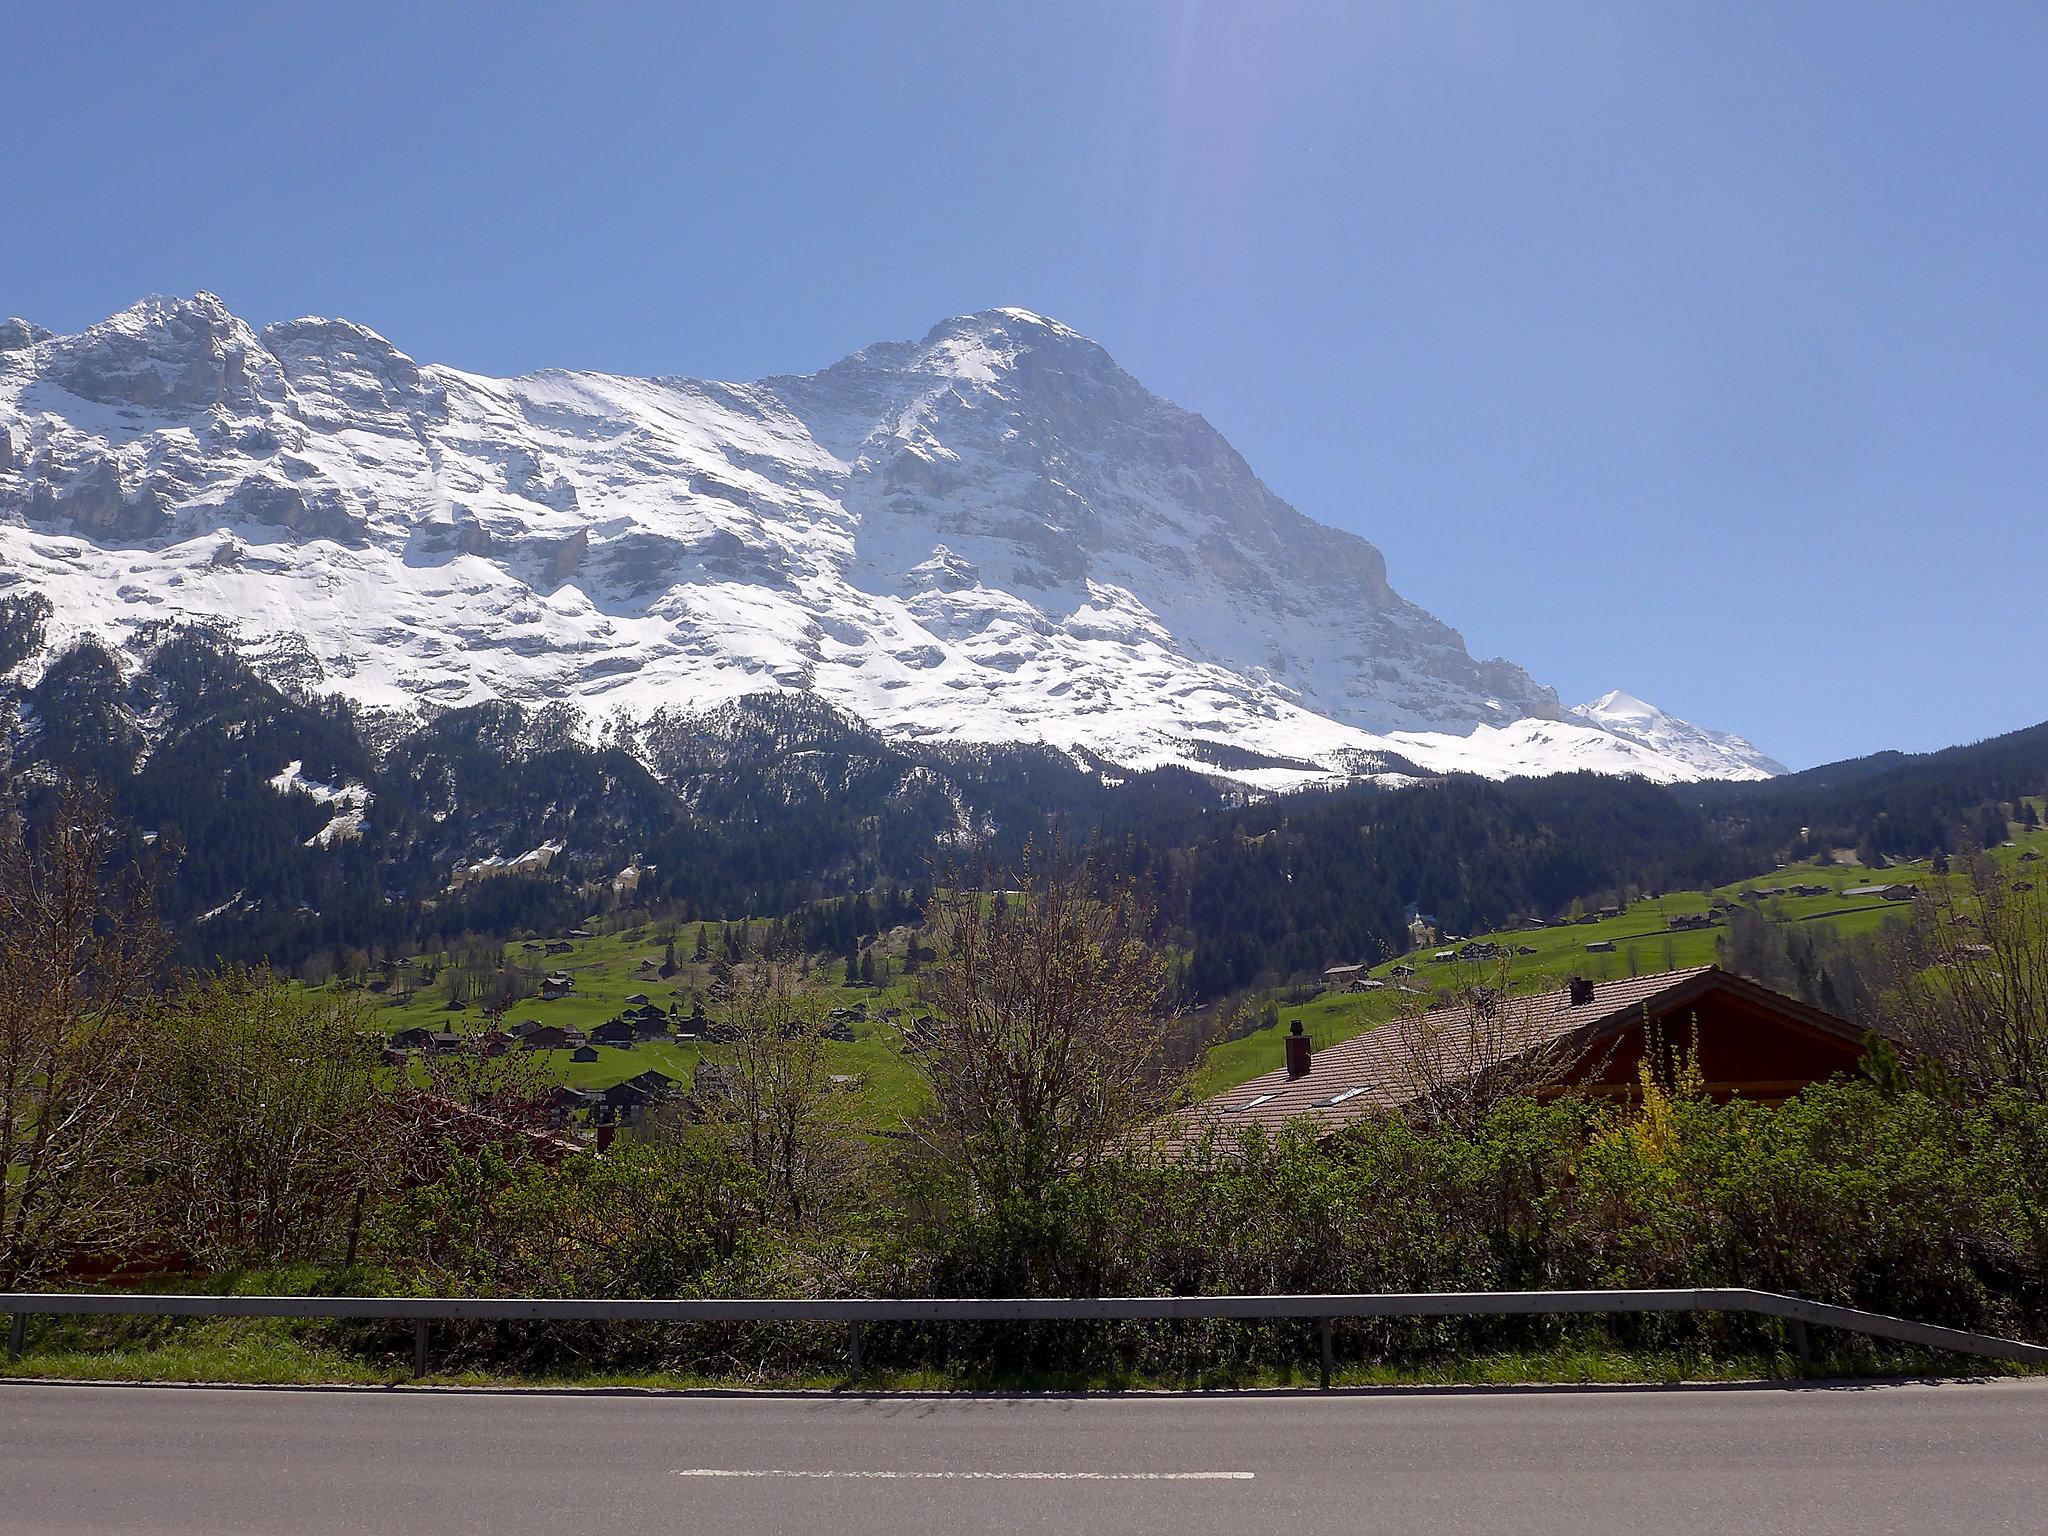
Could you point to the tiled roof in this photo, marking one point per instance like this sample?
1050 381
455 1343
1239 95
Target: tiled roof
1385 1068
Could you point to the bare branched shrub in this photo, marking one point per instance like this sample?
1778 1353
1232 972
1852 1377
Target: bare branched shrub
1475 1046
779 1110
510 1089
80 947
1051 1017
457 1103
261 1124
1966 980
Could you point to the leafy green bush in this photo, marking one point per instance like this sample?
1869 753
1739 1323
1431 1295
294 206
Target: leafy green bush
1880 1197
1895 1202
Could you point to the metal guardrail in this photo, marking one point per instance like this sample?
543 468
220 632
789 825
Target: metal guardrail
422 1311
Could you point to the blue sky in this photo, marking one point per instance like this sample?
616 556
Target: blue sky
1696 350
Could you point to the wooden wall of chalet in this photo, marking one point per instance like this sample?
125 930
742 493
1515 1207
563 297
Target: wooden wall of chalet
1745 1050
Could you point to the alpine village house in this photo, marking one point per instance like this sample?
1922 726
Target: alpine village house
1591 1036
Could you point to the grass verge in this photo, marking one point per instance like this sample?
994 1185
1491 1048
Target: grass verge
284 1352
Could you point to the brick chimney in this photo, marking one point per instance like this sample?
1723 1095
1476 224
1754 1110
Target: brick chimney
1297 1051
1582 991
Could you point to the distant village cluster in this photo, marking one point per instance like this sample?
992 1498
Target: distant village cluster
1428 944
642 1021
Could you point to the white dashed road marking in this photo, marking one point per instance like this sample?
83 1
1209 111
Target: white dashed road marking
1050 1477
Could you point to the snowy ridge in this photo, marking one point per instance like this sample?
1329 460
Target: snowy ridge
1711 754
990 535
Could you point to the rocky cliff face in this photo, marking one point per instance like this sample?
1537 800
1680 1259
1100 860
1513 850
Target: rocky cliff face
993 534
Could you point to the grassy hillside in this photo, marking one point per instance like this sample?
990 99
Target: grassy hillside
1642 938
610 967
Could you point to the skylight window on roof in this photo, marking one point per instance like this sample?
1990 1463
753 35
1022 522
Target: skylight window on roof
1238 1109
1348 1093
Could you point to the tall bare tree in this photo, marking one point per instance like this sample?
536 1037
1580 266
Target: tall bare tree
1051 1012
780 1111
80 949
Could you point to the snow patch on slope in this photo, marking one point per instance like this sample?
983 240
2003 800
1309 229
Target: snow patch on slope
350 802
531 862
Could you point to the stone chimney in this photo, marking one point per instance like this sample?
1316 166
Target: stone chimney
1297 1051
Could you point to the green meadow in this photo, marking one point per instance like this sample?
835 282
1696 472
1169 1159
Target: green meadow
607 969
1641 935
615 964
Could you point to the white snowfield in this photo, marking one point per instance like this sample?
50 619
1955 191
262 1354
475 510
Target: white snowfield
991 535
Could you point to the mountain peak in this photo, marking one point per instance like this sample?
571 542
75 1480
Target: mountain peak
344 374
1618 703
18 335
1017 321
982 346
163 353
177 318
990 535
1712 754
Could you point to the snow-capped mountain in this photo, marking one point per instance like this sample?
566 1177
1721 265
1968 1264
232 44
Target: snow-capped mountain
1710 754
993 534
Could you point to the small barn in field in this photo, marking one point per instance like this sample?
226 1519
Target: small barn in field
1753 1043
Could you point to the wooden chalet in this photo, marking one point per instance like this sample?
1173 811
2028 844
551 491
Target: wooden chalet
637 1092
1753 1043
551 1037
613 1032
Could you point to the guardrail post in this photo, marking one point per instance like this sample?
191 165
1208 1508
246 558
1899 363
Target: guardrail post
1329 1353
853 1348
419 1348
1802 1346
17 1334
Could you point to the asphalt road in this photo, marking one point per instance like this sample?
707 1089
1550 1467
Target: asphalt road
1874 1459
